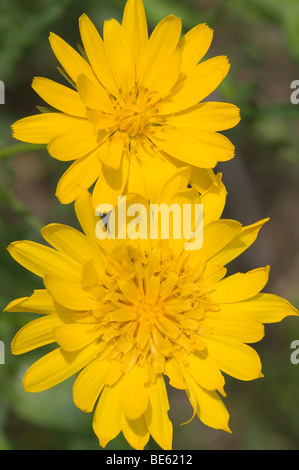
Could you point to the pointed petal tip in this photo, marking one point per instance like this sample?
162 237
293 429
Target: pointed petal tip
64 197
83 17
12 246
52 36
191 419
103 442
222 392
13 303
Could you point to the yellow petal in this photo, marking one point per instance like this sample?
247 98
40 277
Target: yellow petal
161 45
144 334
42 260
135 431
115 371
205 373
85 213
176 183
41 128
200 148
234 358
236 325
185 147
194 45
89 384
130 291
69 294
200 82
201 178
134 399
173 371
212 275
76 144
107 417
57 366
59 96
120 55
35 334
156 416
239 244
221 146
83 172
266 308
111 184
167 74
95 50
152 288
71 61
213 201
94 96
135 183
241 286
210 408
163 344
168 285
135 24
156 170
111 152
71 242
210 116
122 314
74 336
217 235
39 302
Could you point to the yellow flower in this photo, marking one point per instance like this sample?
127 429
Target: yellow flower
136 112
127 313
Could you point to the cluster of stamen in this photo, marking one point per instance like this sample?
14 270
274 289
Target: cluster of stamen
134 115
150 309
137 112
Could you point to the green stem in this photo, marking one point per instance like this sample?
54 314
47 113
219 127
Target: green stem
16 149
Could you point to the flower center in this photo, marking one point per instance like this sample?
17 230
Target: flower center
150 309
136 113
132 120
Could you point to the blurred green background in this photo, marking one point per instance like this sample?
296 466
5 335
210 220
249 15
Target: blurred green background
261 38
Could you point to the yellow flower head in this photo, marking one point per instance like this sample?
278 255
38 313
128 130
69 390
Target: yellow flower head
127 313
136 111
